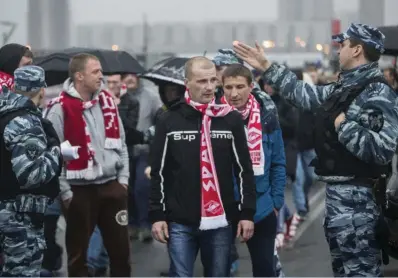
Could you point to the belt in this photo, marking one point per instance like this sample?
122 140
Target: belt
365 182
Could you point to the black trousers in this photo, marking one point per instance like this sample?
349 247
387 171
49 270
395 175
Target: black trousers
52 259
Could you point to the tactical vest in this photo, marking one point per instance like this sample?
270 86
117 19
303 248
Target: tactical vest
333 159
9 185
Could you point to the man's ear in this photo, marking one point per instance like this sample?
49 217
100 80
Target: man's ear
12 86
357 50
78 76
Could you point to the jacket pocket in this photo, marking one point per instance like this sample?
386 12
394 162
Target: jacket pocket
111 162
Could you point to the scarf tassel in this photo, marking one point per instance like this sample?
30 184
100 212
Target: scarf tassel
90 173
258 170
113 143
214 222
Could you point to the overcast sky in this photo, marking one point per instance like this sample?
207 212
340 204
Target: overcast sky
182 10
131 11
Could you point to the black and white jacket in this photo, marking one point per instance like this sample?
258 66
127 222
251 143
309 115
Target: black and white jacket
175 160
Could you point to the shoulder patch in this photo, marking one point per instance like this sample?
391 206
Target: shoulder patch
32 150
372 119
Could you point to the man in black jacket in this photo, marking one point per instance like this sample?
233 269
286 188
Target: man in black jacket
196 146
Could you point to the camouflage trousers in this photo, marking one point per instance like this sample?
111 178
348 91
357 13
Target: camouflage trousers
22 244
350 223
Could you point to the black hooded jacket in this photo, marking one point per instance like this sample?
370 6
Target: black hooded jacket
10 57
167 104
175 176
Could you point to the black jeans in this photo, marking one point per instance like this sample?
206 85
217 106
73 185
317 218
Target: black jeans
262 245
52 258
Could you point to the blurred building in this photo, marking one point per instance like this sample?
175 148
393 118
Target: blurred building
187 37
371 12
346 18
48 24
305 10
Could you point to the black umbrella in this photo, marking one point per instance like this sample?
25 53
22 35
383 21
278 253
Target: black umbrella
56 64
391 41
170 70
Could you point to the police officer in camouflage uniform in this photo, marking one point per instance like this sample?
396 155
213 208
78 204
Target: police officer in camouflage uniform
30 163
356 132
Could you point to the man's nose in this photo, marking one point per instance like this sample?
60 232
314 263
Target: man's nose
209 85
234 92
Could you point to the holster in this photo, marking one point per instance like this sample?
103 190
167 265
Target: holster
37 219
382 236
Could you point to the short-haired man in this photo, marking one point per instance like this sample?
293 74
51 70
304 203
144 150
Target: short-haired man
30 163
268 158
94 186
197 144
12 56
356 131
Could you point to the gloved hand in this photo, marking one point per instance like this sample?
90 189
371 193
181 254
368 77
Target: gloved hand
149 135
52 136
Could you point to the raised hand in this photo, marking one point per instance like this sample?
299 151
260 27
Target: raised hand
254 56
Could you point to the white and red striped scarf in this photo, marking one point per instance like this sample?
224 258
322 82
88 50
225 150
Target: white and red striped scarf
254 134
212 209
6 80
77 133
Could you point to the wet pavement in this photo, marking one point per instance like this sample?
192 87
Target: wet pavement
307 257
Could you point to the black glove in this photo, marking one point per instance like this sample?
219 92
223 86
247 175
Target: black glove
51 134
149 134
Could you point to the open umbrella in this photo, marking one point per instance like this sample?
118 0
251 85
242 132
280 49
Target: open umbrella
56 64
391 41
170 70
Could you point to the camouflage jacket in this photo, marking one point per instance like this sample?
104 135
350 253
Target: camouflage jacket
370 130
32 161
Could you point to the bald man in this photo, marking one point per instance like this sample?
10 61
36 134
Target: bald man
197 143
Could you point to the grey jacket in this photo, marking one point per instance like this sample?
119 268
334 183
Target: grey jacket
114 163
149 104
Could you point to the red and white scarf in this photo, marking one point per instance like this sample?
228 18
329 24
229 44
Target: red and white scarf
254 134
77 132
6 80
212 209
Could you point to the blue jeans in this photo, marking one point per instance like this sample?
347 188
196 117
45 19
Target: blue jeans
97 257
262 246
283 215
184 244
141 187
304 178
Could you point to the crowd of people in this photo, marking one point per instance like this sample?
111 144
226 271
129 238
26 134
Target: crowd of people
253 132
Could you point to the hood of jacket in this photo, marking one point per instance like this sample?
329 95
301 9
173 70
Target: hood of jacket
358 75
69 88
10 57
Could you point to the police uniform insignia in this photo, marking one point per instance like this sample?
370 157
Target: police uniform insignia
121 218
376 120
32 150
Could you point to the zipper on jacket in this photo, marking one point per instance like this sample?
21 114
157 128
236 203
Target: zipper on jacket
199 125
